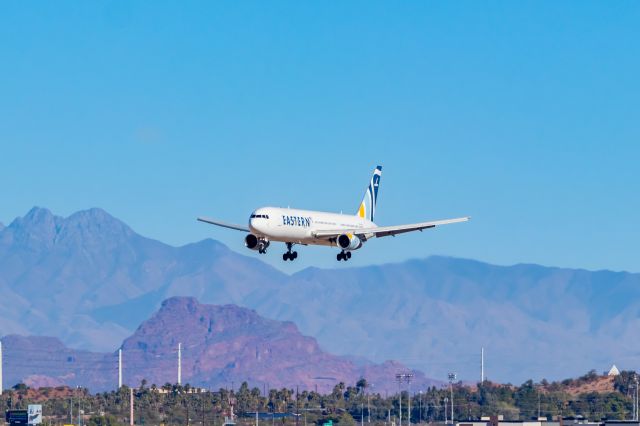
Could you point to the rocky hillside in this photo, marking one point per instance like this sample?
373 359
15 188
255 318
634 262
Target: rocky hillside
221 345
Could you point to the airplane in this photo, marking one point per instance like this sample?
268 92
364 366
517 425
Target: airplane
306 227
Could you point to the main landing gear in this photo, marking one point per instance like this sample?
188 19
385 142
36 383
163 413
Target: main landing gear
343 255
289 255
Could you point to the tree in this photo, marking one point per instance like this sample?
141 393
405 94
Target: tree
107 420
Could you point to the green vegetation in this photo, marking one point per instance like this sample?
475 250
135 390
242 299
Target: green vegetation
345 405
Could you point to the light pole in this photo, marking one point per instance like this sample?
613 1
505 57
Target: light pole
452 378
538 387
445 409
634 386
400 409
633 409
403 377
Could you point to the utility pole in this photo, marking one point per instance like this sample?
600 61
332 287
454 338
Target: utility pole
119 368
635 405
0 367
297 407
409 413
452 377
361 414
445 409
131 407
78 388
482 366
633 409
368 408
538 402
180 364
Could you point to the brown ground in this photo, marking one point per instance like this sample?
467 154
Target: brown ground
601 384
44 394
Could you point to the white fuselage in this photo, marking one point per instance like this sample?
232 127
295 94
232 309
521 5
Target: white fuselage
297 226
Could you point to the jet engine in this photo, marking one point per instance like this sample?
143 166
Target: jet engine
254 243
349 242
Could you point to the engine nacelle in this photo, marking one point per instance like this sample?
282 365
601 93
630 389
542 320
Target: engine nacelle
349 242
254 243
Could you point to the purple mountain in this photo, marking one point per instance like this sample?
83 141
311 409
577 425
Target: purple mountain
220 345
90 280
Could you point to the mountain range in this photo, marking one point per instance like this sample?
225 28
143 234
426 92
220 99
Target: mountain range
90 280
221 345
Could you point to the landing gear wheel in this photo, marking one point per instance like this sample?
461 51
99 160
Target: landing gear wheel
339 257
348 255
289 255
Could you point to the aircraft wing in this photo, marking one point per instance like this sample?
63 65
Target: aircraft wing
223 224
384 231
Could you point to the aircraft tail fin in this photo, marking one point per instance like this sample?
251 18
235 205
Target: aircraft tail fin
367 209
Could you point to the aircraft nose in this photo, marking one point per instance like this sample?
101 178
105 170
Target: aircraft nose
255 225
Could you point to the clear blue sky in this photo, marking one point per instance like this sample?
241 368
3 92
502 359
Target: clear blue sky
524 115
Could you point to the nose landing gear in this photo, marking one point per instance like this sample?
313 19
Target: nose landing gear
289 255
343 255
262 246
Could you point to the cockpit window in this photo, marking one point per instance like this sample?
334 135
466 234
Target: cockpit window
259 216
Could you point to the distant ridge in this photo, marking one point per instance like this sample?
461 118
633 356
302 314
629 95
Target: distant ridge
90 280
